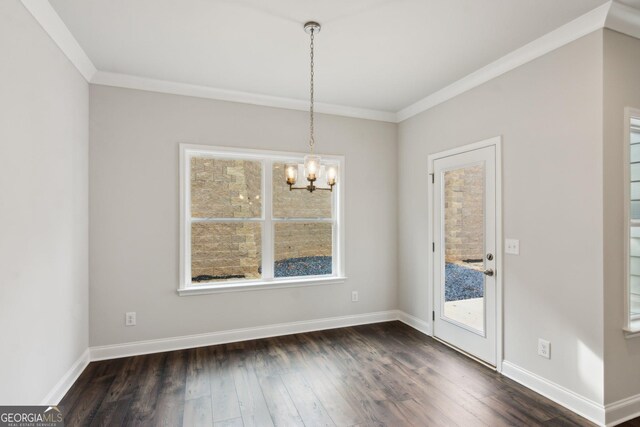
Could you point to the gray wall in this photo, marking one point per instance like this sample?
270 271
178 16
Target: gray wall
134 213
621 89
549 113
43 210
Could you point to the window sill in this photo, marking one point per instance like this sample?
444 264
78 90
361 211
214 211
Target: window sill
260 285
633 330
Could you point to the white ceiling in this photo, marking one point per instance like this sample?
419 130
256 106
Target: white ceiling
375 54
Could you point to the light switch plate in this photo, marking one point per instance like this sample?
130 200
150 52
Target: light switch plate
512 246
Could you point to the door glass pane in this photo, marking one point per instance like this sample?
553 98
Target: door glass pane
464 285
303 249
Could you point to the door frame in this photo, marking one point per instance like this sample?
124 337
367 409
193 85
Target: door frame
491 142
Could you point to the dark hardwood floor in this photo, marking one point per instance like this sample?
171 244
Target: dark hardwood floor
374 375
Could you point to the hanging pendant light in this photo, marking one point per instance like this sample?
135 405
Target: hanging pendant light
312 166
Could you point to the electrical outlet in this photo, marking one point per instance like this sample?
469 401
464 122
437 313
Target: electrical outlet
354 296
544 348
130 318
512 246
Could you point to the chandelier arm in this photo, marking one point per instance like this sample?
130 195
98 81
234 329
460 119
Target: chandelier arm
291 188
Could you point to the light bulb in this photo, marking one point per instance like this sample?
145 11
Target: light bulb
291 173
311 167
332 175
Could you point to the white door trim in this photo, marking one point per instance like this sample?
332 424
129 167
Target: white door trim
497 143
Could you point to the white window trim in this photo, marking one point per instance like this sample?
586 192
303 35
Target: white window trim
267 158
632 323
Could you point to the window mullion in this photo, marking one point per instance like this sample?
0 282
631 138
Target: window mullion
267 227
310 220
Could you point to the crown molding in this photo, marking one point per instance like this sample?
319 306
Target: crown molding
104 78
52 24
624 19
579 27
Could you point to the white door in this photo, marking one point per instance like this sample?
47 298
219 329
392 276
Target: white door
464 252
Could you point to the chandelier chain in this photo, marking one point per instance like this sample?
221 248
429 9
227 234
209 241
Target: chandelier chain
311 137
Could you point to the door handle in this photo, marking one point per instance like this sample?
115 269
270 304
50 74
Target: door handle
488 272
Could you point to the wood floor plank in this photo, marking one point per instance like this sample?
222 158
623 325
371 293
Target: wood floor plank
514 415
333 400
126 382
198 412
305 400
111 413
143 407
198 374
563 421
283 411
86 407
385 374
234 422
224 399
253 406
426 412
170 400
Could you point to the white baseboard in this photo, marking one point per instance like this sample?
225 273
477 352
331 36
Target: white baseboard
62 387
236 335
582 406
622 410
414 322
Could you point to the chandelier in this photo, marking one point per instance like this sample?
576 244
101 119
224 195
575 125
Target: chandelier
312 166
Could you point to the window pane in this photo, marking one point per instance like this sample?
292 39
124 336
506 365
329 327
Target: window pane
635 191
298 203
303 249
634 266
225 188
635 210
225 251
635 137
634 247
635 305
635 172
635 153
635 285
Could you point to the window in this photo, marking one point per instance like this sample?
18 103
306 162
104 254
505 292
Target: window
242 228
632 296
